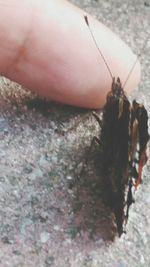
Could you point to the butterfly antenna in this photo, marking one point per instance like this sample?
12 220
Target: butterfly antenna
136 60
87 23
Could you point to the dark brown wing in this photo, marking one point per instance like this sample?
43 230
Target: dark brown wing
138 140
140 116
124 137
115 140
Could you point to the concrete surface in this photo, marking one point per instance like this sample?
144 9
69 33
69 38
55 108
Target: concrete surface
43 220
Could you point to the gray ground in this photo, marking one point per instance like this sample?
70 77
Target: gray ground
44 222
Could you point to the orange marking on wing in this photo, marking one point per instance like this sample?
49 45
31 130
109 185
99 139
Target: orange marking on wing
142 162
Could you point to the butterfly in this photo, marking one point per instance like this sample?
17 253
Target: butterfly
123 142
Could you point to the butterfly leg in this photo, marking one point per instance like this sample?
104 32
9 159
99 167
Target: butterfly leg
97 118
94 141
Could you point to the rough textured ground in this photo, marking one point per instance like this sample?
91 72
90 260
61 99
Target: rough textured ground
43 220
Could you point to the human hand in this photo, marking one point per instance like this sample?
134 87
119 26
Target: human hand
46 46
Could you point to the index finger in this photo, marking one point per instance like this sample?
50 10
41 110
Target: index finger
46 46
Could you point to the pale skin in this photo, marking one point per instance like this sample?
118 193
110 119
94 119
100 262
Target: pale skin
46 46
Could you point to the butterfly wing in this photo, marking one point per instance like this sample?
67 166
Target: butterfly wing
115 139
124 137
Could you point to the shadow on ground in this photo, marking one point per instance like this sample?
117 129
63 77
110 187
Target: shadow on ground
92 214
